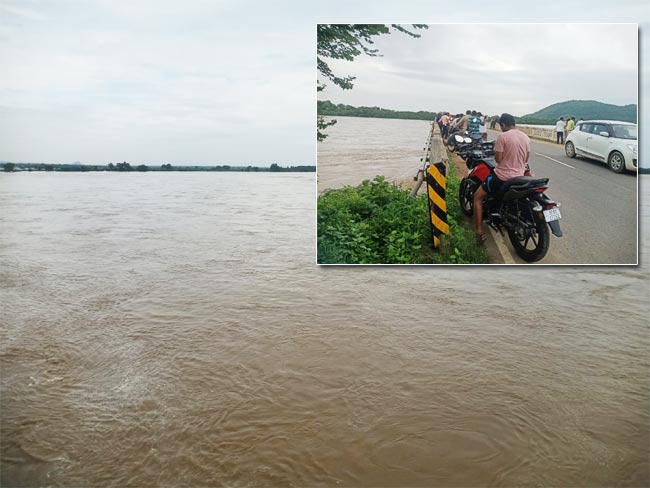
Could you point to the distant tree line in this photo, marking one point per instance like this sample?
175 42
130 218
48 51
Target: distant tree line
325 107
126 167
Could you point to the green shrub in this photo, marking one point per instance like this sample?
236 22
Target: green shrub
377 222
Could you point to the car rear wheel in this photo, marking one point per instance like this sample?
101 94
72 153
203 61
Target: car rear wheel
616 162
570 149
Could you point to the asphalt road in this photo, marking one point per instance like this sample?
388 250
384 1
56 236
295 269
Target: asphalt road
599 208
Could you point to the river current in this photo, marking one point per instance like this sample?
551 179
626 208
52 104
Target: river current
173 329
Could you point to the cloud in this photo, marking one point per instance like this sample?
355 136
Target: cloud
495 68
159 80
233 80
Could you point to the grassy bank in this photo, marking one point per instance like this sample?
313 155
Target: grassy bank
378 223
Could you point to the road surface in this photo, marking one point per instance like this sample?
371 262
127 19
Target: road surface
599 208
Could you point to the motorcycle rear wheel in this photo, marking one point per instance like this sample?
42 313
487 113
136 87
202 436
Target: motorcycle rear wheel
466 197
531 245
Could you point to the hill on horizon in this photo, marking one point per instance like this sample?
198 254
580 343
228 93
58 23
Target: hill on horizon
586 109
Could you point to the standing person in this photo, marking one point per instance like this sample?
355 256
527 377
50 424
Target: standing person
482 128
493 122
444 124
474 126
559 128
566 131
570 125
511 151
463 123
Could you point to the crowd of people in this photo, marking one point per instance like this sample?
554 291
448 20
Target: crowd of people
563 128
471 121
475 122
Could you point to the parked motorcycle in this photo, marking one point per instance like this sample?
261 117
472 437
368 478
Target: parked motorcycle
460 140
476 151
520 206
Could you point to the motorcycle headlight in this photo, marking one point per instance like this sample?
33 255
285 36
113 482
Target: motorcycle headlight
632 148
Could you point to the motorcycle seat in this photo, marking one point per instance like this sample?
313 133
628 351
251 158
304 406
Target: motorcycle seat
523 183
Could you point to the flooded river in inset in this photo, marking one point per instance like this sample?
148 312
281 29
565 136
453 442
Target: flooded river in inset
172 329
359 148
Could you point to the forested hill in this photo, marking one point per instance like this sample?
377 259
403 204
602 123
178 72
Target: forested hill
586 109
325 107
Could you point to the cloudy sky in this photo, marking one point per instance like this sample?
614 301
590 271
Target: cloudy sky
233 81
515 68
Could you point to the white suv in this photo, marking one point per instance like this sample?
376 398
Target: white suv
610 141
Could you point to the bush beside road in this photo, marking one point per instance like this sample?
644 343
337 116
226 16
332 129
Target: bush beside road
378 223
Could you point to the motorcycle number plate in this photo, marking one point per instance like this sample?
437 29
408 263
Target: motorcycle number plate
552 214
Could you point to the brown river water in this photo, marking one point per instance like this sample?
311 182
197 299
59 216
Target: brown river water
350 152
172 329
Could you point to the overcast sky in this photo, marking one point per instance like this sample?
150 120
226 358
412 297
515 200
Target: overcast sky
233 81
494 68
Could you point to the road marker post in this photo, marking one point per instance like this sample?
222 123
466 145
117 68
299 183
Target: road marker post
436 190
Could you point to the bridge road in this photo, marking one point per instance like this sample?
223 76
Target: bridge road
599 208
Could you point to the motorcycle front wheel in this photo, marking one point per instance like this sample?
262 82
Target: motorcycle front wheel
466 197
530 244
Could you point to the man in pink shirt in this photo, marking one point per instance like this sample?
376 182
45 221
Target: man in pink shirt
511 151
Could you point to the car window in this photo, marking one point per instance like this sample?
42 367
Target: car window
598 128
625 131
586 127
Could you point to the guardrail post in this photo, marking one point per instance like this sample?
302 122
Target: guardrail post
419 177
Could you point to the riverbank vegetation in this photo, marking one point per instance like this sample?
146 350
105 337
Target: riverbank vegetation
126 167
325 107
378 223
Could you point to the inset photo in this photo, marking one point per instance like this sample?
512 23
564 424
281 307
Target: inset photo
477 144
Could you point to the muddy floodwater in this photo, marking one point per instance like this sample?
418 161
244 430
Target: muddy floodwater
358 148
172 329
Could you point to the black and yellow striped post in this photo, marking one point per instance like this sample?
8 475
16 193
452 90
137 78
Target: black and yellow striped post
436 189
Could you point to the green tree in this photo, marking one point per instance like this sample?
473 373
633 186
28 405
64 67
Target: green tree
274 167
143 167
347 41
9 167
123 166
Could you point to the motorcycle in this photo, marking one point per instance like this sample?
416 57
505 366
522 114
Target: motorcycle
520 206
476 151
460 140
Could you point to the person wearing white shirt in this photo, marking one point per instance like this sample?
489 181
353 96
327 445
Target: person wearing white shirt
559 128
